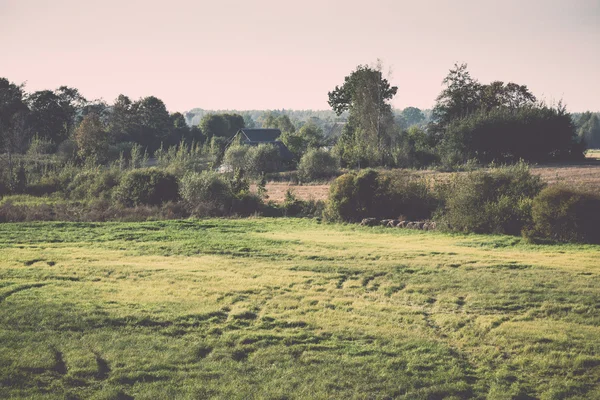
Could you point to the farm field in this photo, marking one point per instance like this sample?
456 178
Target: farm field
580 175
291 308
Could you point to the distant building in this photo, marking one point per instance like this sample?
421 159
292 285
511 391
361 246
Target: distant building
254 137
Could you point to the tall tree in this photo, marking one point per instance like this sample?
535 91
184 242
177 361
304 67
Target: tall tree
152 122
121 120
13 129
92 138
365 94
460 97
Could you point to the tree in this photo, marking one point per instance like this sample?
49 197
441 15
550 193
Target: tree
281 122
152 122
122 120
412 116
460 97
308 137
13 116
464 96
54 113
365 94
178 130
589 130
91 138
48 118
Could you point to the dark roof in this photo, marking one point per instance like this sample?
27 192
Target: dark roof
260 135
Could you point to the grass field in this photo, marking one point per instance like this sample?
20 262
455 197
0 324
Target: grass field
284 308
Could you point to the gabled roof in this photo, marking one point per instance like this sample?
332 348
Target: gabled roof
260 135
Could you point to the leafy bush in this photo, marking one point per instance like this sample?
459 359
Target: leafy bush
147 186
565 215
94 184
294 207
263 158
317 164
387 195
206 193
498 201
236 157
506 135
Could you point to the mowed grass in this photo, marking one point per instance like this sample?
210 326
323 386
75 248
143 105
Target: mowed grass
285 308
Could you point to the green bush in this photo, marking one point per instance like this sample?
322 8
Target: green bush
94 184
317 164
148 186
207 193
565 215
263 158
495 201
380 195
236 157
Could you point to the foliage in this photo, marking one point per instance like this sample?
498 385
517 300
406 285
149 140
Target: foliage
182 158
263 158
281 122
317 164
206 193
495 201
39 146
148 186
221 125
236 157
464 95
91 138
566 215
588 129
535 134
365 94
152 122
412 116
309 136
94 184
369 194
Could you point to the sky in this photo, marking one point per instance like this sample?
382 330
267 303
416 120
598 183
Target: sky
288 54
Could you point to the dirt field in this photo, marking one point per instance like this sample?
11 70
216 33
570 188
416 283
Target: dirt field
583 175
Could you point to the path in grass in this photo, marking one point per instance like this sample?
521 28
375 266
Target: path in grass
284 308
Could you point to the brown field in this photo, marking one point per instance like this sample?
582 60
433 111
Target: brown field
584 175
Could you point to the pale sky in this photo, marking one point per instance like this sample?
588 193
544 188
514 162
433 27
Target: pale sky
273 54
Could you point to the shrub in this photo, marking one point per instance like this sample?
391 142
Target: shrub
147 186
317 164
496 201
506 135
94 184
565 215
236 157
206 193
263 158
388 195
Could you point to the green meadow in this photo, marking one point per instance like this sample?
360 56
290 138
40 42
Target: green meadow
290 308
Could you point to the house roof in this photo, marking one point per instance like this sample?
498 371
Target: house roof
260 135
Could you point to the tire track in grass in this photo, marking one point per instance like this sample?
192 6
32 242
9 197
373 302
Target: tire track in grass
20 288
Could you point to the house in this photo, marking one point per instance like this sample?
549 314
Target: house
254 137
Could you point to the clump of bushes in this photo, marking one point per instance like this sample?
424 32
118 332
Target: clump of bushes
317 164
94 184
354 196
566 215
206 193
148 186
211 194
495 201
254 160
